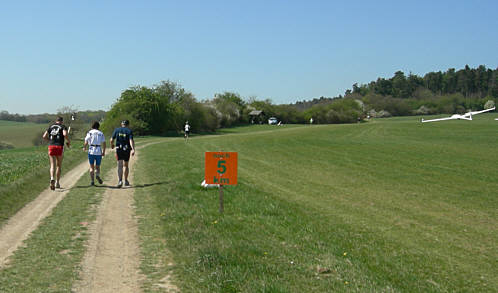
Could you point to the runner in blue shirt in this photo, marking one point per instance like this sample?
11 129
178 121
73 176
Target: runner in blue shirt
125 145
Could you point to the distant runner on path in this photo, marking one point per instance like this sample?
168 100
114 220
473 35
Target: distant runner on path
56 134
187 130
125 145
95 139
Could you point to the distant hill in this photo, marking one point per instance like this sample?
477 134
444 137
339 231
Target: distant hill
476 83
19 134
83 116
26 130
452 91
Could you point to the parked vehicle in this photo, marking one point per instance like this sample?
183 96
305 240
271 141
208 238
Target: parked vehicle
272 121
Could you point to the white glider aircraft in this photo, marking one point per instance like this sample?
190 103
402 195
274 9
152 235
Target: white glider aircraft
466 116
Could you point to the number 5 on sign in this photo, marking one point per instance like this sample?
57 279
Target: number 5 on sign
221 168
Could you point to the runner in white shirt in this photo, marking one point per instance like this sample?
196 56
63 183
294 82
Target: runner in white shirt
95 140
187 130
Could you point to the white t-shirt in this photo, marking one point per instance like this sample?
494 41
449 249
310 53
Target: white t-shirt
94 138
187 127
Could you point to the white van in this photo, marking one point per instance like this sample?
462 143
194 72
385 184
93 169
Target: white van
272 121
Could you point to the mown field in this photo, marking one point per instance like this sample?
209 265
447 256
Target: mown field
393 205
20 134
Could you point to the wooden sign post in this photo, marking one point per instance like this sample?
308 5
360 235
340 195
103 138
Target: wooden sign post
221 168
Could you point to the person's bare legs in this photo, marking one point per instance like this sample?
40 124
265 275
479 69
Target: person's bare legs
120 172
97 174
53 163
58 169
92 171
126 170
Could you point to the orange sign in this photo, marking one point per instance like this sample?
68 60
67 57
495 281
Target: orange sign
221 168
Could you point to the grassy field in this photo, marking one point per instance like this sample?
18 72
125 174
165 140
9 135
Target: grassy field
20 134
393 205
24 173
255 128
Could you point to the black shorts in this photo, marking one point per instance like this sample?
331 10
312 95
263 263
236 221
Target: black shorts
123 155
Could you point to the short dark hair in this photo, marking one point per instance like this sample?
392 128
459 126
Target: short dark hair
95 125
125 122
59 119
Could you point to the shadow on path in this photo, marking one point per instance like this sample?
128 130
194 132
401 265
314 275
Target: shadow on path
149 184
124 187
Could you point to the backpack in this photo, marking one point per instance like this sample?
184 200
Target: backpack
55 132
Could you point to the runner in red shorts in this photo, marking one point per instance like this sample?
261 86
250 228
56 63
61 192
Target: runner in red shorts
56 134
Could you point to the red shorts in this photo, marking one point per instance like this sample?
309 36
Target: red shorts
55 150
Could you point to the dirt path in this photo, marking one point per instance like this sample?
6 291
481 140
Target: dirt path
20 226
111 263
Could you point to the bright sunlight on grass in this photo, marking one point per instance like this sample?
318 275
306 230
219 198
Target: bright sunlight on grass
391 205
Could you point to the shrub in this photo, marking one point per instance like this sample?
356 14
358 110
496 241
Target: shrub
5 146
423 110
489 104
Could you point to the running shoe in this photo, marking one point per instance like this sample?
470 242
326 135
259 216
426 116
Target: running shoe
52 184
57 185
99 180
120 183
92 183
127 183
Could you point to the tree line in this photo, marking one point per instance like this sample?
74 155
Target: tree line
435 93
470 82
84 116
163 109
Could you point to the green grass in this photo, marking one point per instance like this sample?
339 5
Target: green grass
16 163
50 259
256 128
20 134
24 173
390 205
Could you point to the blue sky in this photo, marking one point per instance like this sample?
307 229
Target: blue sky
85 53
